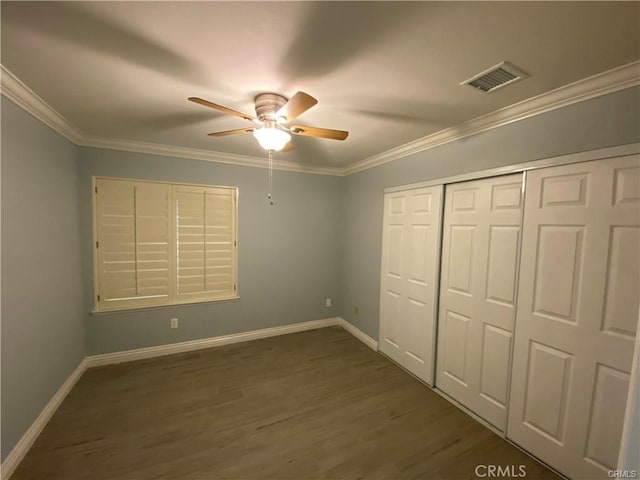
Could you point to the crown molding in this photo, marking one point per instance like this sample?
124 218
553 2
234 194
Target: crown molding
16 91
620 78
610 81
206 155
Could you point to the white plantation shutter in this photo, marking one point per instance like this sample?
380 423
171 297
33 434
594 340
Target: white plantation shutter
133 247
205 244
163 244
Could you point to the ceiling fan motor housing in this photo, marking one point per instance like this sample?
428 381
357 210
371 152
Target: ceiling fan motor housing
267 104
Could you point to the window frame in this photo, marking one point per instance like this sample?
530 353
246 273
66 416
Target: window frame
172 300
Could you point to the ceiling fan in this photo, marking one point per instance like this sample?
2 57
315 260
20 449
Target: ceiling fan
273 113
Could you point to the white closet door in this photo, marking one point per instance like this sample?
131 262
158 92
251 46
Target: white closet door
410 247
480 248
577 314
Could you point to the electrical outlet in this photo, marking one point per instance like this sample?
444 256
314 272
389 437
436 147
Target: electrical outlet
174 323
327 302
356 310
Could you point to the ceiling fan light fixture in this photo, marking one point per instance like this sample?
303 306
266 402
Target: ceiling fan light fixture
271 138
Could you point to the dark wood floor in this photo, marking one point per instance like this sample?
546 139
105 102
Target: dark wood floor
316 404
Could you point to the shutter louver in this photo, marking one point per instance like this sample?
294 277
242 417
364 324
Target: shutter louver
205 229
133 227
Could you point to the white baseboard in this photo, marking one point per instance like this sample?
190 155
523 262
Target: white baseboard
161 350
181 347
22 447
359 334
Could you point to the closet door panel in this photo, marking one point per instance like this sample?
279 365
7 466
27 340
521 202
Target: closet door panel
395 213
453 345
502 264
411 233
495 363
480 252
577 314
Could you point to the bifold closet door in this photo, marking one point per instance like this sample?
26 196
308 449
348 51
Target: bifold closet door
577 314
410 249
480 251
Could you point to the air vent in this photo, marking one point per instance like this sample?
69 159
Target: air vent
495 77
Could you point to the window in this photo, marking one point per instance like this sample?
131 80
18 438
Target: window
163 244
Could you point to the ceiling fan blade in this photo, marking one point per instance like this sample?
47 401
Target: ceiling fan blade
288 147
319 132
231 132
223 109
296 106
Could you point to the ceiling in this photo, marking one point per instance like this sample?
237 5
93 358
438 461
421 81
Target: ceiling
388 72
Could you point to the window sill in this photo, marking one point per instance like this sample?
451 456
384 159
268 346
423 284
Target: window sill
98 313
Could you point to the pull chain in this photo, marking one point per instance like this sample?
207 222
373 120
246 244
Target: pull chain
270 177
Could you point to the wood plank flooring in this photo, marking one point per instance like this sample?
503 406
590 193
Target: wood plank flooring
310 405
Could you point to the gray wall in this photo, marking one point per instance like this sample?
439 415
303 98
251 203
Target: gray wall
287 253
42 318
602 122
